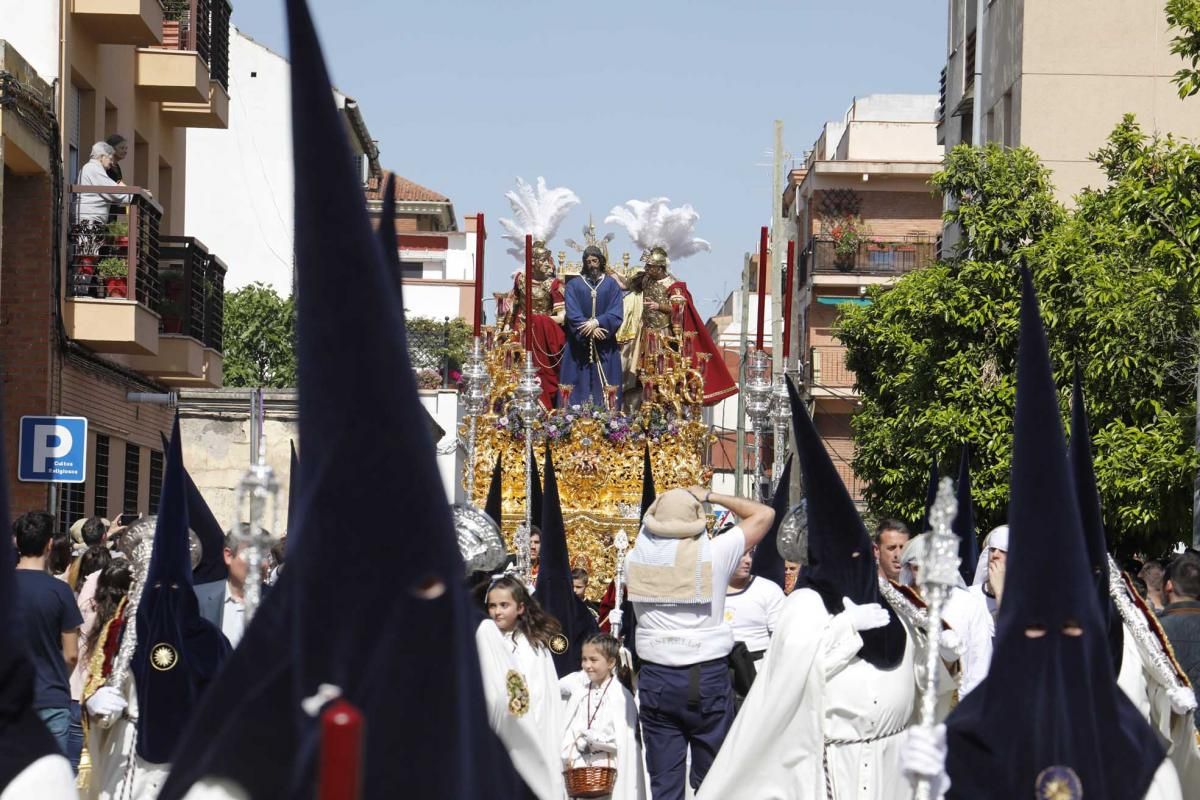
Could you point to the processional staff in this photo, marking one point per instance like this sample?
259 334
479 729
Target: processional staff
256 501
529 389
937 565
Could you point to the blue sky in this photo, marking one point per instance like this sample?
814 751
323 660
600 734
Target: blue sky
617 100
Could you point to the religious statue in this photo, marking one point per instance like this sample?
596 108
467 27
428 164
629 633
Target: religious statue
548 311
658 303
538 212
592 362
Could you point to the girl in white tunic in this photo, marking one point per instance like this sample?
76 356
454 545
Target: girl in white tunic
602 721
527 630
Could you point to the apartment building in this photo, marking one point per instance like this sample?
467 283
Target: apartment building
864 214
1057 76
105 316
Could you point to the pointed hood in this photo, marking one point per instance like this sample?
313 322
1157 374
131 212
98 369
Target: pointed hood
538 501
494 505
1091 517
555 591
293 488
1050 701
964 520
767 562
930 495
840 557
24 738
204 524
350 320
648 490
178 651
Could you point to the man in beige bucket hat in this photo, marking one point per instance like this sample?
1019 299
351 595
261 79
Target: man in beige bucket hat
677 582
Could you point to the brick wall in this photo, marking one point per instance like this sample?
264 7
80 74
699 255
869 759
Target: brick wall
26 321
893 215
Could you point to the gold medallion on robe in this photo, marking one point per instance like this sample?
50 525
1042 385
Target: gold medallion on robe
559 644
1058 783
163 657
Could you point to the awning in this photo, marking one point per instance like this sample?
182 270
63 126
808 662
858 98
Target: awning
837 301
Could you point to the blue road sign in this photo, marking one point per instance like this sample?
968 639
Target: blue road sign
53 449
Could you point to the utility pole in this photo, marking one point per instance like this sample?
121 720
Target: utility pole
778 251
739 471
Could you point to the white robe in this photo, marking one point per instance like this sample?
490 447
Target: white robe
614 721
48 778
1176 731
520 735
111 750
547 711
816 700
967 614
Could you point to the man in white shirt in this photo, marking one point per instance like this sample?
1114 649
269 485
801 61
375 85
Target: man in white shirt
752 608
677 580
221 602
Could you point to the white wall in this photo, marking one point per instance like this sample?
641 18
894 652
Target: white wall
442 405
240 187
31 26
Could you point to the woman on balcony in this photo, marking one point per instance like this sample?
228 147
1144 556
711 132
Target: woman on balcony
94 206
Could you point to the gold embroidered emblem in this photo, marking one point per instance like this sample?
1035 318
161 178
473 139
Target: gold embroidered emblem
559 644
1058 783
518 693
163 657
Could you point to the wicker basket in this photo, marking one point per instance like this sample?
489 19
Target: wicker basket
590 781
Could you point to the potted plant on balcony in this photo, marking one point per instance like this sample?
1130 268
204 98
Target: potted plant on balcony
87 238
174 12
118 232
848 234
115 274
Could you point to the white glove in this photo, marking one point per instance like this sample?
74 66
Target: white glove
594 745
1183 699
950 645
923 755
107 702
615 617
865 617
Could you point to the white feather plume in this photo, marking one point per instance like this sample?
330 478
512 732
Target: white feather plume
536 212
653 223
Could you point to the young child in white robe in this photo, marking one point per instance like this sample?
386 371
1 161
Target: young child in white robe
602 720
527 631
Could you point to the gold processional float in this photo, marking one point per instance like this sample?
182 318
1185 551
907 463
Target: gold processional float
598 451
598 448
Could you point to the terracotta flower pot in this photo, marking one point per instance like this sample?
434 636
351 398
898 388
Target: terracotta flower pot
88 263
116 287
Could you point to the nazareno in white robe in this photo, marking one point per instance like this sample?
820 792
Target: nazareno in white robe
115 762
821 722
1176 731
48 778
614 721
519 733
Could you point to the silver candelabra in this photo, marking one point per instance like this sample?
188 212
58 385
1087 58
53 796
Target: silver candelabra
758 406
529 389
479 539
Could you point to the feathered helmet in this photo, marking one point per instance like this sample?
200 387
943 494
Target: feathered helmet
662 232
537 212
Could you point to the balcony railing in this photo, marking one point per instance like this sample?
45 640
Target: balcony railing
202 26
193 291
827 368
871 258
114 254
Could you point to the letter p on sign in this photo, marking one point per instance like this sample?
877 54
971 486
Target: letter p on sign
53 449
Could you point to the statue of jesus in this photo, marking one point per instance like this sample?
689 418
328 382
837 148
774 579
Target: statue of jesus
594 312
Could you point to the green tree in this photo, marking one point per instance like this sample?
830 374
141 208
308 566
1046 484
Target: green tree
1117 280
1185 16
260 334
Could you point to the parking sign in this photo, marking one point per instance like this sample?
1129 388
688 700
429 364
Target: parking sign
53 449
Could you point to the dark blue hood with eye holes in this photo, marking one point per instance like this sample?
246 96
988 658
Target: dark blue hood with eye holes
178 652
1050 709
